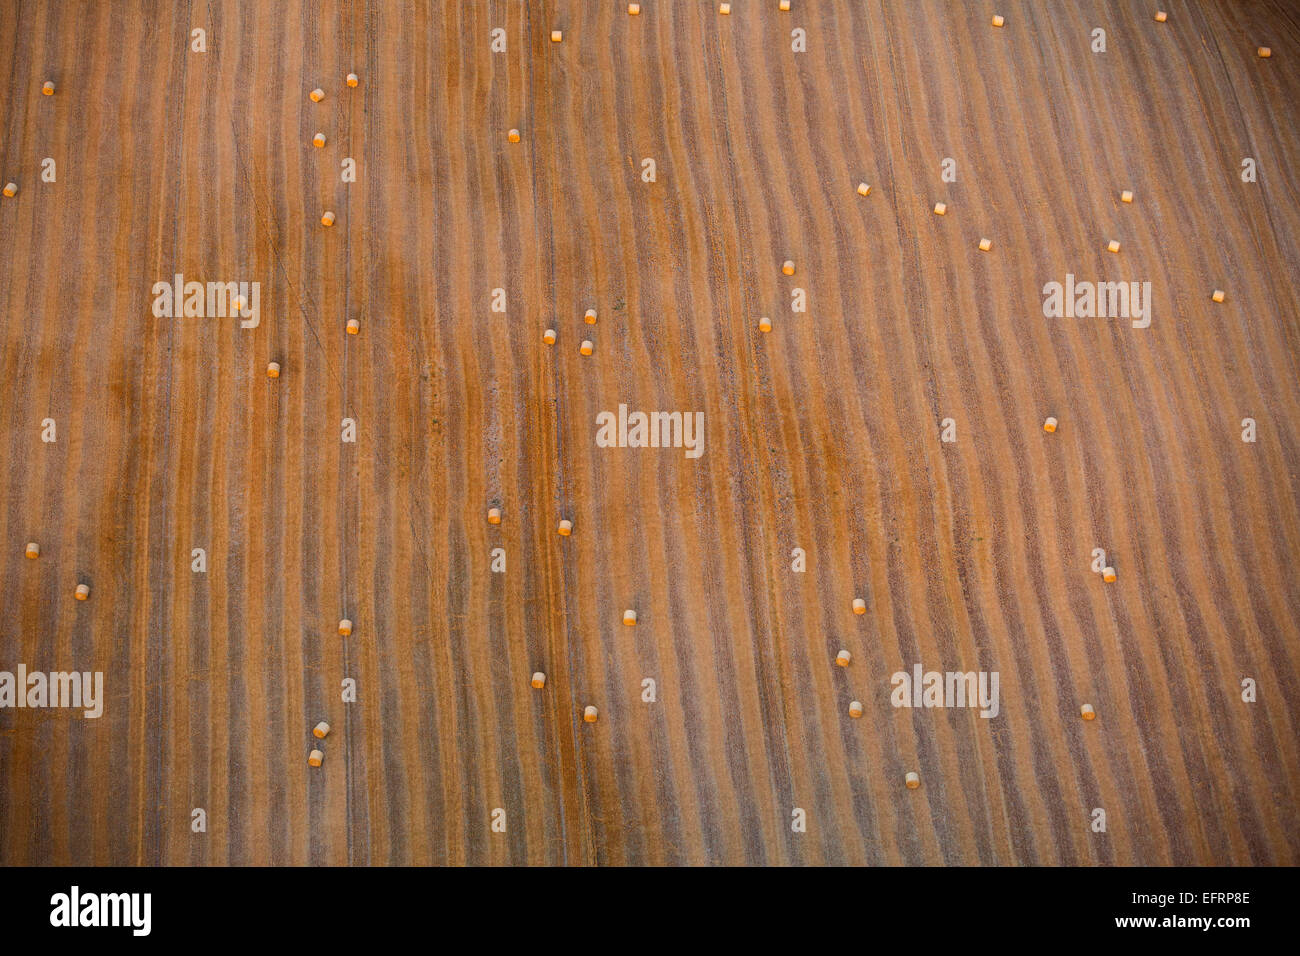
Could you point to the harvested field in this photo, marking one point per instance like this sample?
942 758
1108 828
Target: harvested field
825 434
